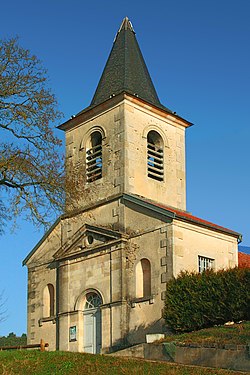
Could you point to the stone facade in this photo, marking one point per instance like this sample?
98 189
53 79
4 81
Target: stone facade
97 279
124 125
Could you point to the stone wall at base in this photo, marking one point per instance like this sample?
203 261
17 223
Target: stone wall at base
147 351
233 357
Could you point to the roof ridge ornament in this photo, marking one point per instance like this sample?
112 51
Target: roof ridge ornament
125 25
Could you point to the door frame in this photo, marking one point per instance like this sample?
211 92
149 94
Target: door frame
97 325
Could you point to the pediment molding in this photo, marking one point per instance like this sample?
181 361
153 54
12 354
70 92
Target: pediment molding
85 239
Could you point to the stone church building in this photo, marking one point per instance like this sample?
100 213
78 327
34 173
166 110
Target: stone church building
97 278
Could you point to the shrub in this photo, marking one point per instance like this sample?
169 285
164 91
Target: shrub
199 300
13 340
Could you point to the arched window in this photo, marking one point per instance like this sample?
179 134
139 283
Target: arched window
48 301
155 156
94 157
143 278
93 300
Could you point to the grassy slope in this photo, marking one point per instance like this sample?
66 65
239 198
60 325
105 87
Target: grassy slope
55 363
236 334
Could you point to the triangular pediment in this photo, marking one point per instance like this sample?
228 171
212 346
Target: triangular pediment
87 238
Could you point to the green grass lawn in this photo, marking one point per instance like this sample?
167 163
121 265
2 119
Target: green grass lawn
31 362
34 362
238 334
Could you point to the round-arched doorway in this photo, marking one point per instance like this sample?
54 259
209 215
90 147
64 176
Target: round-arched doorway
92 329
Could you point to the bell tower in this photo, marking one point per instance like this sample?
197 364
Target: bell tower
126 141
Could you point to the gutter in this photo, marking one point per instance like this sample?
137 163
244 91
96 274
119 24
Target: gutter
149 206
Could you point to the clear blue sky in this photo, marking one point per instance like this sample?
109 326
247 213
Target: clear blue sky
198 56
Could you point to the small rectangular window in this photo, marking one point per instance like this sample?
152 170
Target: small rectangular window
205 263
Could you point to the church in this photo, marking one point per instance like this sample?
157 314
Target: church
97 279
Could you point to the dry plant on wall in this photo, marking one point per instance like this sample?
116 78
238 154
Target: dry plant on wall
77 191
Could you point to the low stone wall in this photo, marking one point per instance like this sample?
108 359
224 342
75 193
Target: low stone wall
234 357
135 351
148 351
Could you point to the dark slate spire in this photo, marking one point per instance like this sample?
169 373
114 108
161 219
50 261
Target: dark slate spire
125 70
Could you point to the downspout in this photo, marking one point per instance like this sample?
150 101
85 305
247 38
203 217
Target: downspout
110 298
57 295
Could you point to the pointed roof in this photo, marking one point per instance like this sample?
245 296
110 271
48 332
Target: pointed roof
125 70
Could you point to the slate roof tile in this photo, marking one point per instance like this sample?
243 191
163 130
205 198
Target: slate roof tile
126 71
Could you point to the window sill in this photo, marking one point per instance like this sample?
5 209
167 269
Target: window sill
45 320
149 299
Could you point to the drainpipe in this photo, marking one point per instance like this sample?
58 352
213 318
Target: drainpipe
111 299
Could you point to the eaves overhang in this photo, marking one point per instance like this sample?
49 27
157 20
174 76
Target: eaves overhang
179 215
24 262
207 224
147 205
95 110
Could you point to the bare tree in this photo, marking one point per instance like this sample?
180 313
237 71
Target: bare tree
31 167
